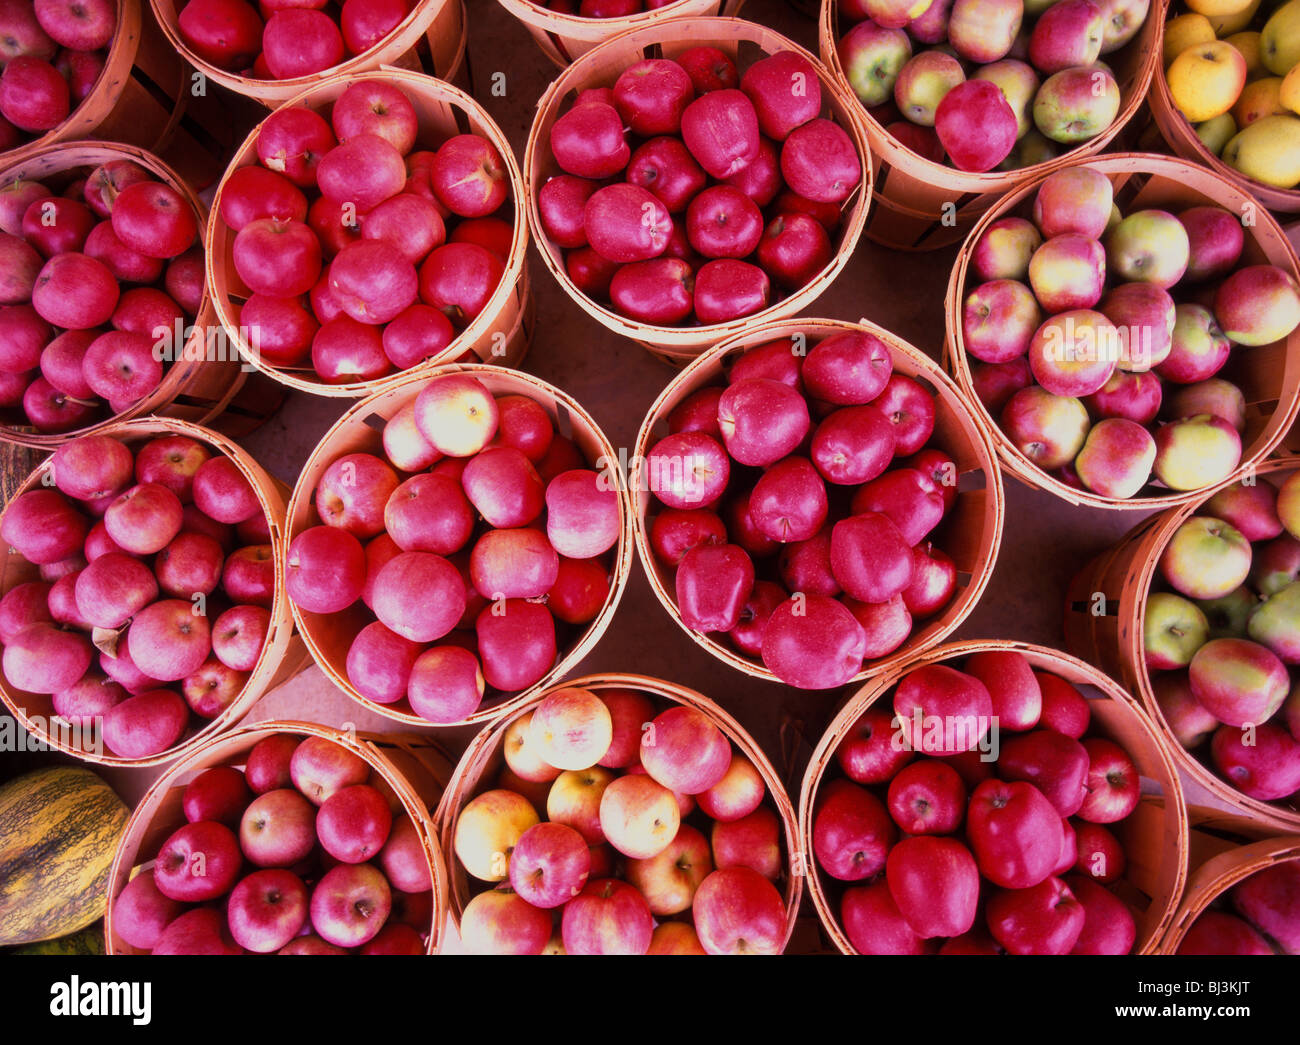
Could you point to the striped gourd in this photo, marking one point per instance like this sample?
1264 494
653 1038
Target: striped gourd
59 829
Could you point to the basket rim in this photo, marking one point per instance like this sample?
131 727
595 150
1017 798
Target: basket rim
488 740
280 631
687 341
1131 163
620 566
892 149
875 689
641 501
366 747
514 276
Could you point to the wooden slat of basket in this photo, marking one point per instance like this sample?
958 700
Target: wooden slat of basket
501 331
600 67
360 430
1123 576
913 192
484 757
971 533
1154 842
159 812
1269 376
282 653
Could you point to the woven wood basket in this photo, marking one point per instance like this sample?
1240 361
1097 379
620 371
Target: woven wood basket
329 635
283 654
600 68
971 533
1123 576
1154 836
414 767
923 205
483 759
193 388
499 334
1269 376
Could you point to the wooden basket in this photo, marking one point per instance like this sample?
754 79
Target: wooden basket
483 759
1113 641
600 68
193 388
1225 850
499 334
430 40
360 430
283 655
565 38
414 767
1181 136
1154 836
923 205
971 532
1268 376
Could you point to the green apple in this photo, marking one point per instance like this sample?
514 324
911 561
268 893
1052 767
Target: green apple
1206 558
1216 133
1229 614
872 57
922 84
1149 246
1279 40
1276 623
1173 629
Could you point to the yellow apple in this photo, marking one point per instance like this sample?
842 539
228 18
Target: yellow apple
1248 45
1216 133
1279 41
1187 30
1288 504
1289 95
521 755
1268 151
1215 8
1205 81
1227 24
1259 99
487 830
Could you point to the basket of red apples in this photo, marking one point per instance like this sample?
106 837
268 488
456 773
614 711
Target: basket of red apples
457 543
993 798
105 314
285 838
273 51
619 814
1130 327
142 612
968 99
567 29
681 191
1198 612
815 501
1243 889
368 227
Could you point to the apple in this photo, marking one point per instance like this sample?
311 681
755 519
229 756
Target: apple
813 643
1218 933
738 911
1113 784
1014 832
873 923
975 124
500 921
201 930
935 884
721 130
1238 681
983 31
457 415
638 816
1173 628
924 82
350 904
1267 900
277 828
570 729
1067 34
1017 696
998 320
469 177
319 768
1076 104
198 862
589 141
1257 305
486 832
607 917
1045 918
1005 247
575 800
1264 765
927 798
852 832
141 913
